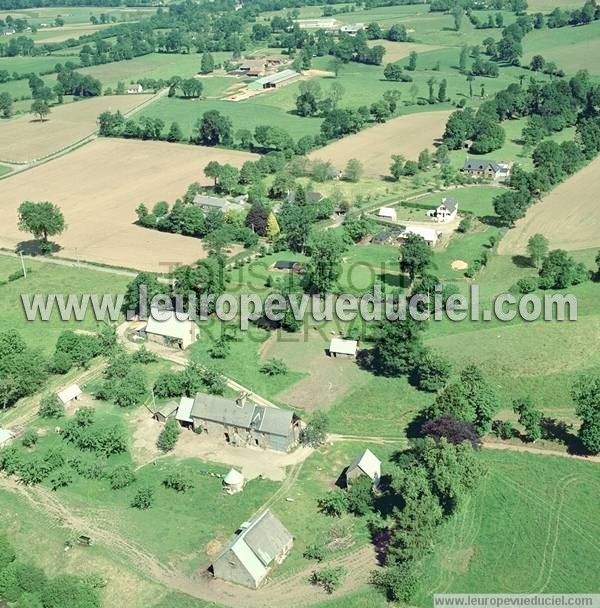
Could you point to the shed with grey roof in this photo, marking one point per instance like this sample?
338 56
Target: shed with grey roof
243 423
166 411
210 203
253 551
273 80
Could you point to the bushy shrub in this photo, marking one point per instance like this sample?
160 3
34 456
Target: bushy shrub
143 498
51 407
527 285
121 477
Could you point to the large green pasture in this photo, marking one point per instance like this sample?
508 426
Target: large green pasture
243 114
524 530
44 279
153 65
571 48
75 14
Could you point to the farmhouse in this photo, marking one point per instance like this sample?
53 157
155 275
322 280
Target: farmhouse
366 464
6 436
387 213
9 31
243 423
170 328
166 411
484 167
446 212
209 203
69 394
274 80
343 348
134 89
233 482
250 555
430 235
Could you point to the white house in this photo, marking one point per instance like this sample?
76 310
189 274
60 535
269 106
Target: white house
69 394
387 213
345 348
135 88
447 210
171 328
366 464
430 235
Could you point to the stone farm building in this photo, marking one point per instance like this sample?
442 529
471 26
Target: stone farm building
243 423
366 464
484 167
170 328
250 555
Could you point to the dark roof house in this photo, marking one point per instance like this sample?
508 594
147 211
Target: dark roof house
481 165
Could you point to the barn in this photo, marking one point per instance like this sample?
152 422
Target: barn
171 328
243 423
366 464
273 80
253 551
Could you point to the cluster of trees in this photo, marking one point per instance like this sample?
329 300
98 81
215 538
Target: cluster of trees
125 382
553 107
190 220
23 370
396 33
430 481
578 16
481 128
24 584
189 381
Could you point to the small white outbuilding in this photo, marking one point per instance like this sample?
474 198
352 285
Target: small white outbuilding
72 392
344 348
388 213
233 482
171 328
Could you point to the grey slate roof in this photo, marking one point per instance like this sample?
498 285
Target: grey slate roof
450 203
480 164
247 415
222 410
276 422
202 200
267 537
257 545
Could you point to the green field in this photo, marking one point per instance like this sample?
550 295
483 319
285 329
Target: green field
571 48
46 278
243 114
525 528
75 14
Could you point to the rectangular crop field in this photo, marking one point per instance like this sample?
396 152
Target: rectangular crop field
405 135
99 186
567 217
25 139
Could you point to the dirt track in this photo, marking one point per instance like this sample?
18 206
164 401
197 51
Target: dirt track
373 147
99 186
567 217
